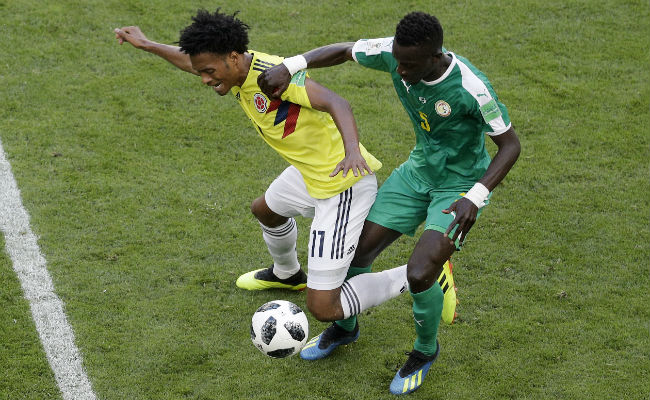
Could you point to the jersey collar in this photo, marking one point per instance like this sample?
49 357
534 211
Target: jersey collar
452 64
251 78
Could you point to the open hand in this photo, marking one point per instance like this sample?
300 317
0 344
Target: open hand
464 212
131 34
354 162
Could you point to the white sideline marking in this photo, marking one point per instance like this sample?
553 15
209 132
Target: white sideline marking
47 309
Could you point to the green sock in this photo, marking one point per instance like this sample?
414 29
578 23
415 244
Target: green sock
427 309
349 323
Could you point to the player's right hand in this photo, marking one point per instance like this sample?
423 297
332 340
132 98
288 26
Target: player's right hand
274 81
465 213
131 34
352 162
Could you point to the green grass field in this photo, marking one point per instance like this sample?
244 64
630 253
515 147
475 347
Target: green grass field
138 182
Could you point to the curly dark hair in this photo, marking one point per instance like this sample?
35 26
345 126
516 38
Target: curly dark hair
216 33
418 28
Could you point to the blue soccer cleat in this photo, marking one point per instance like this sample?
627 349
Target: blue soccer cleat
322 345
409 378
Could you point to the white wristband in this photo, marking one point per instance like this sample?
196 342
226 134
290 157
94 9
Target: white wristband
295 64
478 194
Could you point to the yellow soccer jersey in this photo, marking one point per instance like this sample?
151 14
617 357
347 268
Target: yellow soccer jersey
307 138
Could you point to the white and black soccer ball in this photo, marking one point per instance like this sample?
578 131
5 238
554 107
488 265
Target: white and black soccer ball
279 329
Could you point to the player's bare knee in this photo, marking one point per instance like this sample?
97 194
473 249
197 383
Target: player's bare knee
264 214
323 305
321 313
426 262
422 273
255 207
418 275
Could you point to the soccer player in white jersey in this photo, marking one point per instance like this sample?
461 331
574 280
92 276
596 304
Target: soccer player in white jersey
448 176
330 178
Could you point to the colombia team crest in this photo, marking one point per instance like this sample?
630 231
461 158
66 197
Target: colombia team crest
261 104
443 108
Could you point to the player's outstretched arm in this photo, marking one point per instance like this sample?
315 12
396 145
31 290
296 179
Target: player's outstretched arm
323 99
173 54
274 81
466 208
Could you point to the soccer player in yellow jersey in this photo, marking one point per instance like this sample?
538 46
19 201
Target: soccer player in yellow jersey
330 178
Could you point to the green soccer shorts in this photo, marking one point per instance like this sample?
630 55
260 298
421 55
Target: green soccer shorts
400 207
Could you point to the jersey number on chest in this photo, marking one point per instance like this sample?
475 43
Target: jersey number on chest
424 123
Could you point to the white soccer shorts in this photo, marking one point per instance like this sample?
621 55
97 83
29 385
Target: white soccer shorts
336 226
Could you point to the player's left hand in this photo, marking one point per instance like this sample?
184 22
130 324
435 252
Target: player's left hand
465 213
354 162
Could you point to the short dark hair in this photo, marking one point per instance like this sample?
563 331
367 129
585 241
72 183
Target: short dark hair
418 28
216 33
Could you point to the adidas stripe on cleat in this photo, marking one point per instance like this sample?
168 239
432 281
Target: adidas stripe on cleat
322 345
409 378
446 281
264 278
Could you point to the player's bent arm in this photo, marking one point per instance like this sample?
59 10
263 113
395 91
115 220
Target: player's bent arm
323 99
508 149
173 54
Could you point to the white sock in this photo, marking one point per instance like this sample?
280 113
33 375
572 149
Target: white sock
281 242
363 291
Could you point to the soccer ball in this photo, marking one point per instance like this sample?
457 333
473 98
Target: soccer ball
279 329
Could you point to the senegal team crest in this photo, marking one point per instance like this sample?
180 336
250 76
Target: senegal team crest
261 104
443 108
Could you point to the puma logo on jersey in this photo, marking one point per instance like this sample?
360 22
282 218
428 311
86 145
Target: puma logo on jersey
406 85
